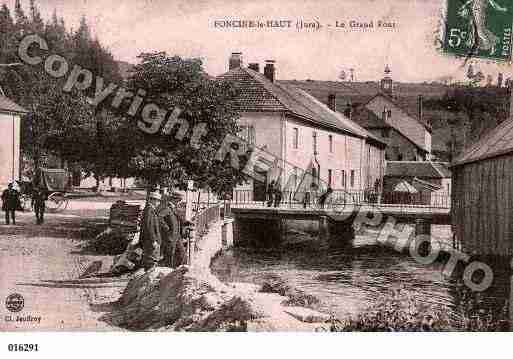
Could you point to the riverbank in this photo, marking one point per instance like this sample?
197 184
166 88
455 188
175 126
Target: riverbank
193 299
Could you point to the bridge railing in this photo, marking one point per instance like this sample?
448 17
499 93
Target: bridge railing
204 217
312 199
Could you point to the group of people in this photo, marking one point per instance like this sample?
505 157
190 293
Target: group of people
275 196
11 203
163 230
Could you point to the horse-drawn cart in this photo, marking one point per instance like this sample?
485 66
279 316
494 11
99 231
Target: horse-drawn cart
55 181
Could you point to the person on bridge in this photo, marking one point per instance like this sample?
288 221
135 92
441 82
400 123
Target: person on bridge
10 203
150 237
270 193
277 194
39 196
171 225
324 197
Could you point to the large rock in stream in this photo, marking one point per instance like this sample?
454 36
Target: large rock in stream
181 299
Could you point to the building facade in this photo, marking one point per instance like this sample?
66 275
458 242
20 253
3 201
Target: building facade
10 127
482 201
312 142
431 180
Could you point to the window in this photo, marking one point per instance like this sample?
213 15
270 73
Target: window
331 143
352 178
252 135
248 134
344 179
329 177
295 138
314 135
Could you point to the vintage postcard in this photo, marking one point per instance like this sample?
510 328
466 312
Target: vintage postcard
255 166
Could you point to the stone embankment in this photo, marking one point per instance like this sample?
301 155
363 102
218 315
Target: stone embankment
191 298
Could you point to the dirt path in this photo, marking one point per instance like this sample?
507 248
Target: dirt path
42 264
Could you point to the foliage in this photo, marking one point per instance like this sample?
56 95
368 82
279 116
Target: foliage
400 312
104 141
470 111
58 123
171 82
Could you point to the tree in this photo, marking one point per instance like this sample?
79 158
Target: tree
474 109
173 82
59 122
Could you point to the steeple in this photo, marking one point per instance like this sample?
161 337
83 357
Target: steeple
387 85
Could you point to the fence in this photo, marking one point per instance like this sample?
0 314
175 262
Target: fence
204 218
310 199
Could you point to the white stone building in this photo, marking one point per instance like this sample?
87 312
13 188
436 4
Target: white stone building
10 130
305 135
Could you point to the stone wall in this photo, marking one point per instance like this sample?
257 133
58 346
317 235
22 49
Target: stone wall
219 237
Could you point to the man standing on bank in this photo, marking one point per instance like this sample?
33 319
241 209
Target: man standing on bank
150 232
173 250
10 203
39 197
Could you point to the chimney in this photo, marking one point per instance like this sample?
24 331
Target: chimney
420 107
348 111
332 102
385 114
269 70
254 66
235 60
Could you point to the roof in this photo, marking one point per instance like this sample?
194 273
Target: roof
406 94
7 105
498 141
257 93
367 89
421 185
404 105
401 120
418 169
404 186
368 119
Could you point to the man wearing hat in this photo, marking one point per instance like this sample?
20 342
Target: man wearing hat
171 225
10 203
150 237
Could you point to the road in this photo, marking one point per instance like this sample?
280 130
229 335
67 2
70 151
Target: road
42 264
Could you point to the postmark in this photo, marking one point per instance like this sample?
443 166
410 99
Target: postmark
479 28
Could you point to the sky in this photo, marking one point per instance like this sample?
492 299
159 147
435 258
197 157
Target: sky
186 28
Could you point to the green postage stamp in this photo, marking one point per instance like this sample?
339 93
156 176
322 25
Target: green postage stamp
479 28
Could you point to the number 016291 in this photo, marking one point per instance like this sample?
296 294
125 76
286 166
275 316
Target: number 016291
22 347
